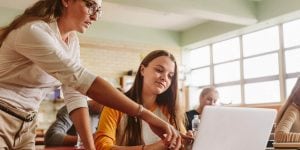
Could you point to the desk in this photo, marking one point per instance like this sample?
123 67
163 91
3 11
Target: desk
39 141
271 148
42 147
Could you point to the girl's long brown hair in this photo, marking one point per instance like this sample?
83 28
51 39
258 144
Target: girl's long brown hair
166 100
46 10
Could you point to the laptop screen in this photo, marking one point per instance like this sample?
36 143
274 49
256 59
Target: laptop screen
234 128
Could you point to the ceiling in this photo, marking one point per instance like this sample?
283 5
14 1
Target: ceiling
174 15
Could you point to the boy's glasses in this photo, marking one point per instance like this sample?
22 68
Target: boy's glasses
93 7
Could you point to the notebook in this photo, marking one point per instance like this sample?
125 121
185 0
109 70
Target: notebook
234 128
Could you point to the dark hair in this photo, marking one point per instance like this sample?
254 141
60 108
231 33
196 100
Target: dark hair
46 10
165 100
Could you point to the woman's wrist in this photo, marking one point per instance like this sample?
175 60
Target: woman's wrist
140 110
143 113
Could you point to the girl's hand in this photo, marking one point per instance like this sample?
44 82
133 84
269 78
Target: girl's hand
160 145
164 130
187 140
174 144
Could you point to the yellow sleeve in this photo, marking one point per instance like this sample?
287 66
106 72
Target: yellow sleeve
105 136
283 131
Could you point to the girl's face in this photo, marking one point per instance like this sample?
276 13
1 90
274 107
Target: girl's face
158 75
80 14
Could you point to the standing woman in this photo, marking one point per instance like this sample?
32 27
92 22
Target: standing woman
40 51
154 87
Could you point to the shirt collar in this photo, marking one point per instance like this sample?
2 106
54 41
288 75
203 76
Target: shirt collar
53 25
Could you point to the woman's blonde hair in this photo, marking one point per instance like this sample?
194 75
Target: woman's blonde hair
46 10
207 90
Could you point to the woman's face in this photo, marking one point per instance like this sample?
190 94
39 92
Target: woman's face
80 14
209 99
158 75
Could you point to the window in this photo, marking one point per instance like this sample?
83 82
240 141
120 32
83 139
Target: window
199 77
254 77
291 40
262 92
291 32
200 57
194 97
290 83
261 66
292 61
227 72
261 41
226 50
229 94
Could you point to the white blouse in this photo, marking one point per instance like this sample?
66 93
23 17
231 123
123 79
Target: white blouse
148 135
34 59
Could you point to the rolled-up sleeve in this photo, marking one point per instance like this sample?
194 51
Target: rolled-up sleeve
73 99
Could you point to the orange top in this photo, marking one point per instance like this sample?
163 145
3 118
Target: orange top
105 136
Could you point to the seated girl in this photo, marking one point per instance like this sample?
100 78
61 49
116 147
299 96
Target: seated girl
155 88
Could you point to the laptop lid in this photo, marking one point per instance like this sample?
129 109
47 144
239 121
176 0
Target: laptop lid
234 128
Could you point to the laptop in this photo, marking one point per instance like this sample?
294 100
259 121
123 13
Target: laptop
234 128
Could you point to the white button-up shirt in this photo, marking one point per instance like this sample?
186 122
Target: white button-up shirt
34 59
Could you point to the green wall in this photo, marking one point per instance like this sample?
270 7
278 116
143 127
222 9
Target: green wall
101 30
205 31
7 15
133 34
268 13
263 10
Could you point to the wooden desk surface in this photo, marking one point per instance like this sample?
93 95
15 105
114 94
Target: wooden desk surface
42 147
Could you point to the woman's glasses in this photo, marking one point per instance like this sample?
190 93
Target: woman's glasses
93 7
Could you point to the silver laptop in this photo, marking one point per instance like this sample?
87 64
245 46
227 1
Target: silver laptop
234 128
